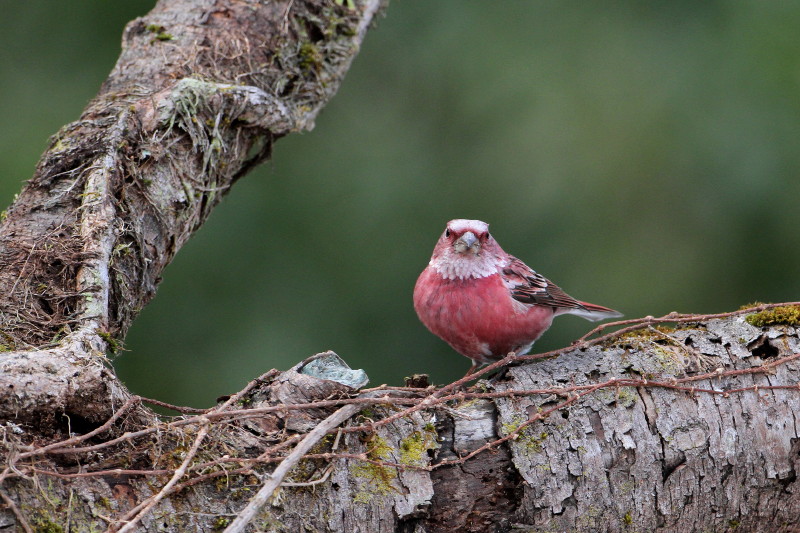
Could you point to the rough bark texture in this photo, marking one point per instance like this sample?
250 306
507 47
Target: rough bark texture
607 437
674 453
640 459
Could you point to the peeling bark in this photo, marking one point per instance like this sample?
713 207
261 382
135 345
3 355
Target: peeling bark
640 459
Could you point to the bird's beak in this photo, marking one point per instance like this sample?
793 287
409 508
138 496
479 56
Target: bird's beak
467 242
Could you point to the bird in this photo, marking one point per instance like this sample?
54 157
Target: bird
486 303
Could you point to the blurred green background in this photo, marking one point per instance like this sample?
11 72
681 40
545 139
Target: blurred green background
642 155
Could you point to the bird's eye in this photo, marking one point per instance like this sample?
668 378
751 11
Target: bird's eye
447 233
488 236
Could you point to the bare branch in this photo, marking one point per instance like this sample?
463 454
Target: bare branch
276 478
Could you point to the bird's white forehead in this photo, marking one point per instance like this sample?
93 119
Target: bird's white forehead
460 225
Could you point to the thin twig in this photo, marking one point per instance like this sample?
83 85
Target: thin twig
679 318
172 407
17 513
133 516
322 479
263 378
129 403
72 440
211 414
102 473
263 495
513 434
239 414
436 396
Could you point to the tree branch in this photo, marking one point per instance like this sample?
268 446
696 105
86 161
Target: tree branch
200 93
581 439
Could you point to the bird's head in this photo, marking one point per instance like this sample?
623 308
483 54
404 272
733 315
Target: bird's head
467 249
466 236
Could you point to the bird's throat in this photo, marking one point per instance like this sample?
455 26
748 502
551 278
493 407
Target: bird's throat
467 265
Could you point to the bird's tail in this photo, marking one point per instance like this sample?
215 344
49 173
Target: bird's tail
591 311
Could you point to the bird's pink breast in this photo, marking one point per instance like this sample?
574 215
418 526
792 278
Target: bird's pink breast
478 317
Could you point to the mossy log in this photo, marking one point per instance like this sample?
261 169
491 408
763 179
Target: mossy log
658 429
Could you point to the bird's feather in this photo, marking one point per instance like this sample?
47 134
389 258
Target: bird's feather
529 287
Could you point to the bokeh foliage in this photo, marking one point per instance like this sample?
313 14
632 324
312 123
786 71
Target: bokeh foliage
643 155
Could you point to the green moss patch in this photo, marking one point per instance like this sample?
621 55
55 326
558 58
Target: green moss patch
376 479
788 315
527 438
414 448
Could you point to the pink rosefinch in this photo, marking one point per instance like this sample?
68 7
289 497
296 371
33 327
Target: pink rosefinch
486 303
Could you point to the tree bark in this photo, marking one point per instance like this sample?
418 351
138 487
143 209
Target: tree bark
676 429
656 429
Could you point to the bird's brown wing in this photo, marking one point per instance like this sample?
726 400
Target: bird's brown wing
530 287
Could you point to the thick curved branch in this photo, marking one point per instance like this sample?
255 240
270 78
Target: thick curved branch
199 95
